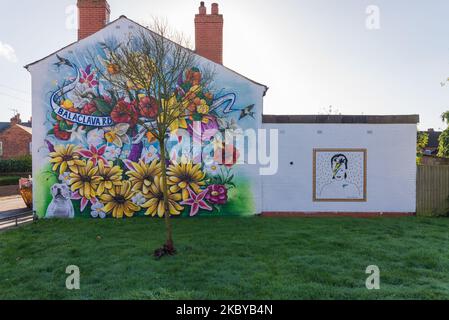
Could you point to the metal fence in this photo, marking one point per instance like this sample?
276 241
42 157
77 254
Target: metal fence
432 190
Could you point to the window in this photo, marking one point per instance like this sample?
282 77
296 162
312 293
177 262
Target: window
1 148
31 148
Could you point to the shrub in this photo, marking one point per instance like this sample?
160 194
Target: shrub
19 165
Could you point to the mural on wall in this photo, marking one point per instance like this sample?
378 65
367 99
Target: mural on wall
102 163
339 175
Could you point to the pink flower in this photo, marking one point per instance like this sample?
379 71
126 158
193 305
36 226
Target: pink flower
88 77
196 202
95 154
84 201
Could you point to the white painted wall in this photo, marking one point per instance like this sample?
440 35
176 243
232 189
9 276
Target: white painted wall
391 167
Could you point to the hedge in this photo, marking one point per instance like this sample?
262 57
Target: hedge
22 165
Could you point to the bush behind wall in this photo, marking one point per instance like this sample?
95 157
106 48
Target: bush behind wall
18 165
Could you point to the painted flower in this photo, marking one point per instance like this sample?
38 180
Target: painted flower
67 104
77 134
61 134
84 201
227 155
142 175
174 109
112 153
97 211
85 180
125 154
65 178
88 77
182 176
212 169
204 129
150 154
196 202
202 108
217 194
117 134
118 201
95 137
139 199
94 154
89 108
155 203
110 176
66 157
148 107
124 112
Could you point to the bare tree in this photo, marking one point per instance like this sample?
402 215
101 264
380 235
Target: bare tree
153 63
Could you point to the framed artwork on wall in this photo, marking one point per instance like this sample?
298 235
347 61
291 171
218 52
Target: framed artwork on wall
339 175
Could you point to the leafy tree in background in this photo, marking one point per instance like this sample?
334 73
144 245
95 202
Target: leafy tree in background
422 141
443 147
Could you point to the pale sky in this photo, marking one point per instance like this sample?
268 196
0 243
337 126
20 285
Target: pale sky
311 53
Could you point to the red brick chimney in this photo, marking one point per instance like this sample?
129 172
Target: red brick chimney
16 120
209 33
93 16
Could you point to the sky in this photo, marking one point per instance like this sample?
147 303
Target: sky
312 54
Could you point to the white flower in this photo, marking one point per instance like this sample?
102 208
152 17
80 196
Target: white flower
212 169
149 154
139 200
65 178
125 154
97 211
95 137
112 153
78 134
81 95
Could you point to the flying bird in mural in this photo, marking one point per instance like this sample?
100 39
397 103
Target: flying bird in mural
248 111
62 62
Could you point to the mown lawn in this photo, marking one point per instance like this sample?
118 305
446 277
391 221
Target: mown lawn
228 258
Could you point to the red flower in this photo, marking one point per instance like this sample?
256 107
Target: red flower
217 194
227 155
148 107
95 154
61 135
125 112
89 108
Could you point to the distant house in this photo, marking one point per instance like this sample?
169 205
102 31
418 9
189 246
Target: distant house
432 145
15 138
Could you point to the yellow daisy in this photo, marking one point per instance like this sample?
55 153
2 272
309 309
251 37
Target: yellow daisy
85 180
66 157
181 176
110 176
155 203
118 200
143 175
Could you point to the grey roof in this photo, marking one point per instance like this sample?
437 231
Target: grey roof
342 119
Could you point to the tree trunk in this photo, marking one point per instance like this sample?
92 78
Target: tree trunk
169 233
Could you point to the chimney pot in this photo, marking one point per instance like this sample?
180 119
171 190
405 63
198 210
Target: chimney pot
202 8
93 16
215 8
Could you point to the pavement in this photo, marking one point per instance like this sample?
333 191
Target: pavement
13 212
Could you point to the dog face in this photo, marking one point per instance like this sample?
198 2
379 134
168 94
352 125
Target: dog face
60 192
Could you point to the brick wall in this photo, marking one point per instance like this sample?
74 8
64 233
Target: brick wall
16 142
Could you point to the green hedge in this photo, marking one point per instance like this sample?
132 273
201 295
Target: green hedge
22 165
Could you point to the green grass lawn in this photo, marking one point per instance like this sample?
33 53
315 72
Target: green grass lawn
228 258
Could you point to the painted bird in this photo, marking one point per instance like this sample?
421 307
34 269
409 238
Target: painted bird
62 62
248 111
